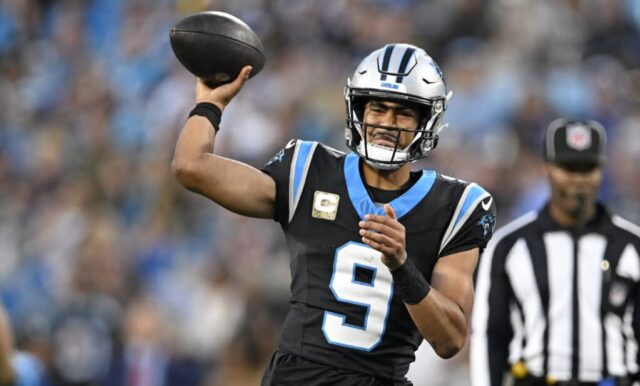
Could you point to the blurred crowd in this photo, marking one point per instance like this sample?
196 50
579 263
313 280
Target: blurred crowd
112 274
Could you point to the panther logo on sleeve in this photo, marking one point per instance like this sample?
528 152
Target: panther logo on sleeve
488 224
276 158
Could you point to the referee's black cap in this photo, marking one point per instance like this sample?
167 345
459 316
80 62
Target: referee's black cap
570 142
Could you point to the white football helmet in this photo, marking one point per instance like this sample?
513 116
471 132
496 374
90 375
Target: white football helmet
400 73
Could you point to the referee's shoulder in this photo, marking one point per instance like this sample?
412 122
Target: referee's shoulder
628 228
509 233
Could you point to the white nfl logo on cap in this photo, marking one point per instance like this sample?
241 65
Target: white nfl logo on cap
578 137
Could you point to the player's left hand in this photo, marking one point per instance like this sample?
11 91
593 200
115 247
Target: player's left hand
386 235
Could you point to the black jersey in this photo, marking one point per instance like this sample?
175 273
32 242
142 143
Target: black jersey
344 312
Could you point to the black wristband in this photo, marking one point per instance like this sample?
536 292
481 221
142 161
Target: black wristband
412 286
209 111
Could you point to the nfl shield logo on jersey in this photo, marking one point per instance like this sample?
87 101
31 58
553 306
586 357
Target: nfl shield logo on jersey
578 137
325 205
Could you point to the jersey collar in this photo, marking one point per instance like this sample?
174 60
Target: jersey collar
363 203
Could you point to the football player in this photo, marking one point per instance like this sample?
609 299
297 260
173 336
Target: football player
382 256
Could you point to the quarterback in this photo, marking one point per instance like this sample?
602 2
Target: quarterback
382 256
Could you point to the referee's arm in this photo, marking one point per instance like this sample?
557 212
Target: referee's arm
491 330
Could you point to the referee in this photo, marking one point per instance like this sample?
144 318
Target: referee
557 290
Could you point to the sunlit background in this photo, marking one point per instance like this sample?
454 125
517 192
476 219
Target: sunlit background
107 263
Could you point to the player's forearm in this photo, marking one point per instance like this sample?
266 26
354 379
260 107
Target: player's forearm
441 322
234 185
195 142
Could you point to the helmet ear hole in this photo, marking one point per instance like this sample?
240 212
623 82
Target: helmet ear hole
427 144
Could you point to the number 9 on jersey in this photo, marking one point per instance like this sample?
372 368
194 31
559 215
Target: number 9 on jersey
374 294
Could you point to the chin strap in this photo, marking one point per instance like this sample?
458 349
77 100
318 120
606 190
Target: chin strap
381 166
378 156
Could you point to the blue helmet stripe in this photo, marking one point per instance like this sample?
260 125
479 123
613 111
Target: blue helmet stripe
385 61
403 64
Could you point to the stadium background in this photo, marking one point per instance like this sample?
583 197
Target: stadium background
104 257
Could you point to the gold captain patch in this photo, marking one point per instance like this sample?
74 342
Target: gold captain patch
325 205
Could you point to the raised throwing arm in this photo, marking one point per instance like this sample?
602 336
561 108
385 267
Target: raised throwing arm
234 185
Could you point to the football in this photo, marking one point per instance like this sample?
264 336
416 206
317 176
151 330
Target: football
215 46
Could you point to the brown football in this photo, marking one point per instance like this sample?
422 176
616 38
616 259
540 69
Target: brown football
215 46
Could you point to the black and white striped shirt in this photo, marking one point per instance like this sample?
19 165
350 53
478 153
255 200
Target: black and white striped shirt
562 301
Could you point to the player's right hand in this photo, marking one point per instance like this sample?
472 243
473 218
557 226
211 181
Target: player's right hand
221 95
385 234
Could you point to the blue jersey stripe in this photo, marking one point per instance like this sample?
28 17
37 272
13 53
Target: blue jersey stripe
304 150
363 203
476 191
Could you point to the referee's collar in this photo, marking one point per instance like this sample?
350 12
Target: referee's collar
598 223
